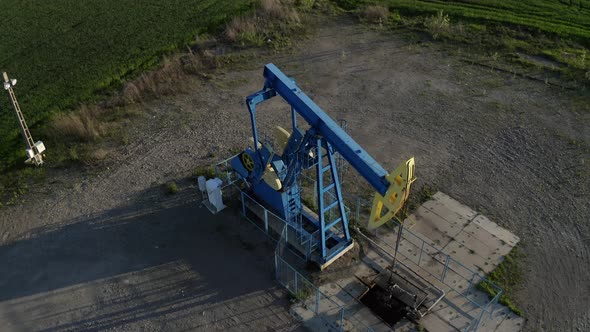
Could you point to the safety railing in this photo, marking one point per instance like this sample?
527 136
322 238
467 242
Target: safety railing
225 172
313 303
273 225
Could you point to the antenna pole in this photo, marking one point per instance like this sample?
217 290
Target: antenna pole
34 150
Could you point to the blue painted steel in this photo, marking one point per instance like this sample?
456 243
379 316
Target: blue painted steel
320 187
365 165
343 239
304 150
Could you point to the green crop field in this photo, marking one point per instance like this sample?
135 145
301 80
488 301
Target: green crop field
553 16
66 51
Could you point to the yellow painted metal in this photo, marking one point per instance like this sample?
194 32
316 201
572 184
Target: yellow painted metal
282 136
247 161
257 143
401 179
270 177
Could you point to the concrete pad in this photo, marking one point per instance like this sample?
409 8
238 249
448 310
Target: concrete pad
434 227
375 261
502 319
446 211
365 273
404 325
457 207
512 322
469 258
410 222
353 287
493 228
360 315
432 322
302 313
454 315
460 304
472 242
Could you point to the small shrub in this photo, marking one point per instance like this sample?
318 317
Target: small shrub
302 294
374 14
172 188
207 172
437 24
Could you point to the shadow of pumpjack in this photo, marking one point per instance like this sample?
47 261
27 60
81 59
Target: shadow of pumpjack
157 257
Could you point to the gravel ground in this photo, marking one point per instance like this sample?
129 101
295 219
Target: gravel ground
108 249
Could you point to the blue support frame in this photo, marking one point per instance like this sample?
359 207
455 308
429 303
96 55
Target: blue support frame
324 133
343 239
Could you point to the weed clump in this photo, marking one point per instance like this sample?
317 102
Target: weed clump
207 172
171 188
437 24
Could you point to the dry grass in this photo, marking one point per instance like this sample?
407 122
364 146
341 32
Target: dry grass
251 29
99 154
240 26
374 14
275 9
192 64
163 81
130 93
272 8
83 125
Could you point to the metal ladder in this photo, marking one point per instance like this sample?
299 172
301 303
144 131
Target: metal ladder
324 208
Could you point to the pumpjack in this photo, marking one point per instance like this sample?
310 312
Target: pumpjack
272 175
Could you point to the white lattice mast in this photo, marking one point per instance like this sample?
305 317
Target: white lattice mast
34 150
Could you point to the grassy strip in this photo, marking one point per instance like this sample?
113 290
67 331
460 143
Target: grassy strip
508 275
562 18
548 37
546 16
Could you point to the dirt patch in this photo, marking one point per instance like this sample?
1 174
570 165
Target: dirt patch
514 149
